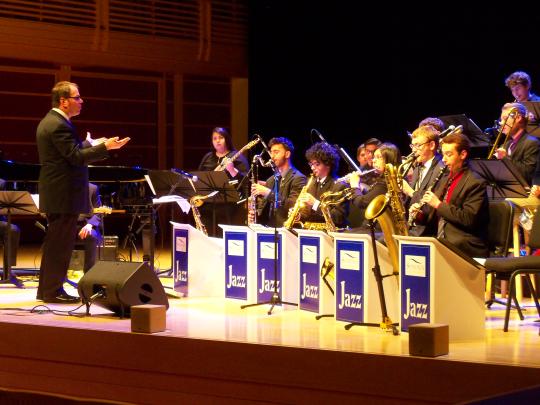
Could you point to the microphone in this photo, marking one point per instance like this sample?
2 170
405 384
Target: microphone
184 174
450 130
316 132
270 163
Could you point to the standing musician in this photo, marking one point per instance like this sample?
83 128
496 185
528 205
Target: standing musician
460 200
324 162
221 156
521 148
385 153
291 183
429 164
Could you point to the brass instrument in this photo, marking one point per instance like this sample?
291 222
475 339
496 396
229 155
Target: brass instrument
347 178
496 144
295 211
327 200
413 215
221 166
196 201
389 212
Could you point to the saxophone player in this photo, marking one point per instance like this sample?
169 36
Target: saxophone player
323 160
428 166
385 153
460 200
291 182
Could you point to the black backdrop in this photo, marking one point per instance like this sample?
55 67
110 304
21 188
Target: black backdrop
354 71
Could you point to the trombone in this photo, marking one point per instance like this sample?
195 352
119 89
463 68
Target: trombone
496 145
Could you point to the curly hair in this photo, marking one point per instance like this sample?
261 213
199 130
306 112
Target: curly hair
326 154
287 144
518 78
435 122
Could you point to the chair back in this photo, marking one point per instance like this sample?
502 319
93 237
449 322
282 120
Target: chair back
534 238
500 232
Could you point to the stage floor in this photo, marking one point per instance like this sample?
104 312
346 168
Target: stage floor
223 321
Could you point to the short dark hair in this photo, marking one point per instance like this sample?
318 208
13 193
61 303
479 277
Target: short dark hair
287 144
372 141
225 134
326 154
390 153
460 140
435 122
61 90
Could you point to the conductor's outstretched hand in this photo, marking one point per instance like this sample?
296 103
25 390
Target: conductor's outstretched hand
116 143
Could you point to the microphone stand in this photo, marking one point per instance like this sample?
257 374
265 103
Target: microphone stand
344 155
276 297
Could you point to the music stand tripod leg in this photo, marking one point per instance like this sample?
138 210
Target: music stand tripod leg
386 322
7 276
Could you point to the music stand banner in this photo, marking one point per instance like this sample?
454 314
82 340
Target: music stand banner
236 263
415 284
309 272
180 256
265 266
350 269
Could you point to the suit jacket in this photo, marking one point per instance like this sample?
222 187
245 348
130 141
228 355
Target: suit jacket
290 186
466 215
338 212
424 227
524 155
63 178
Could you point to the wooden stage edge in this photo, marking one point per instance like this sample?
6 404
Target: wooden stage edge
98 357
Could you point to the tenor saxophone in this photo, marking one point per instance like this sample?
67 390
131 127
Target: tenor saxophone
295 211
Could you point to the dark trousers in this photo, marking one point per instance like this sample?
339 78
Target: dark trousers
13 242
59 243
90 246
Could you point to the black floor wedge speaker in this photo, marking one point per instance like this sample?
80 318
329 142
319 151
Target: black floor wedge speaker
117 286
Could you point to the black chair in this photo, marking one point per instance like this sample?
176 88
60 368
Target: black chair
500 232
513 267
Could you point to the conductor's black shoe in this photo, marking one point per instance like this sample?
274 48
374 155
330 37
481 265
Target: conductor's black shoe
62 298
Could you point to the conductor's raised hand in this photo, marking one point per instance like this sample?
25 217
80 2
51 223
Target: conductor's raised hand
116 143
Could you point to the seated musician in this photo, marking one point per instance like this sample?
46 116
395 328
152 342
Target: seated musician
15 236
291 183
521 148
428 167
324 162
460 200
385 153
89 236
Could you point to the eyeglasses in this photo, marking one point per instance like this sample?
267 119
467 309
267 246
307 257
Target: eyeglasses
417 146
314 164
77 98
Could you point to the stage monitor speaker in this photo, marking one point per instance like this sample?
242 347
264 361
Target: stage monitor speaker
120 285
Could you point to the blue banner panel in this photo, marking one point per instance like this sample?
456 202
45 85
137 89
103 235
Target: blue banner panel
350 281
267 275
309 273
236 262
180 256
415 285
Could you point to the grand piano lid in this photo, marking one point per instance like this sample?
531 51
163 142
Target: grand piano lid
15 171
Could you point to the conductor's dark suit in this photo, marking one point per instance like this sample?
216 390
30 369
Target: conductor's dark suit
63 195
289 188
464 219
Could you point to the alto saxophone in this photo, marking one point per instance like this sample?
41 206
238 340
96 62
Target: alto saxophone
196 201
295 211
329 199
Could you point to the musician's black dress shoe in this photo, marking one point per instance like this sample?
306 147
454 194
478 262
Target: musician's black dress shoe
62 298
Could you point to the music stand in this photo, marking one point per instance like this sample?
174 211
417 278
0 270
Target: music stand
479 140
533 125
14 202
503 179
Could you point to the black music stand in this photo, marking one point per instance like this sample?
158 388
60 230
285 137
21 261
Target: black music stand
14 202
479 140
503 179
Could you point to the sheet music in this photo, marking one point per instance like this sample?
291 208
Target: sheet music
181 201
35 197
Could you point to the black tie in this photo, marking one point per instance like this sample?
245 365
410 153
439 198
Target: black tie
419 179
